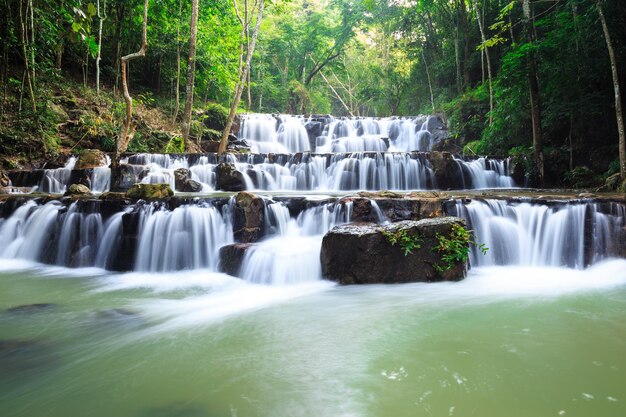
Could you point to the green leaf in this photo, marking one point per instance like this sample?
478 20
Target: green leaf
91 9
76 26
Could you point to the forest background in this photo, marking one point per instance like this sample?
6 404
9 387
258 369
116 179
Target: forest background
534 79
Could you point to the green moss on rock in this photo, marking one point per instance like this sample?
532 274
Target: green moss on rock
149 191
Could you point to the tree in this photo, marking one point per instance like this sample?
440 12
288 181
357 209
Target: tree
191 73
128 128
484 47
535 108
101 17
243 71
618 96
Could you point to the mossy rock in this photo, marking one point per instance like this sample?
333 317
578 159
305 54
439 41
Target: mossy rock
91 158
78 189
215 117
149 191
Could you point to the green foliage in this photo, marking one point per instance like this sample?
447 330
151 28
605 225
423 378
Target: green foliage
408 242
215 117
175 145
581 177
468 113
455 248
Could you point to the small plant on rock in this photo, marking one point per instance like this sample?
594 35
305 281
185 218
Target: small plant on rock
456 247
407 241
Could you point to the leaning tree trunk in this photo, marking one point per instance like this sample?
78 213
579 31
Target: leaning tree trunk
128 128
242 81
191 73
488 59
535 108
618 96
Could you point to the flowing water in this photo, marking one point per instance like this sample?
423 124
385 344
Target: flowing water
526 334
531 341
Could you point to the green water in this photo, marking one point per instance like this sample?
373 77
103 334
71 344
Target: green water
505 342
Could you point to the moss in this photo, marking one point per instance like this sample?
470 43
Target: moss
150 191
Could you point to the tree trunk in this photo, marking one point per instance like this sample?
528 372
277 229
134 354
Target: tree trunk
29 80
487 58
128 129
32 40
242 80
430 85
121 15
618 98
535 109
101 18
466 43
177 106
191 73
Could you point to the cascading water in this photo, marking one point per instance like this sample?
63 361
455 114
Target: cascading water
187 237
55 181
292 257
532 234
486 173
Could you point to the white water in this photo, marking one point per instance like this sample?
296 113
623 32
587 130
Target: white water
530 234
190 236
55 181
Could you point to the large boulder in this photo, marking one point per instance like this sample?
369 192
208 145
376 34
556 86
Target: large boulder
149 191
364 253
248 217
91 158
228 178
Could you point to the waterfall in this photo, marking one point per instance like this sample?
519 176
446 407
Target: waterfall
55 234
292 257
159 238
486 173
187 237
532 234
55 181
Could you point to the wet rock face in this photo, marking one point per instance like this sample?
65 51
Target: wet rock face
248 217
125 176
447 171
231 258
228 178
360 253
149 191
91 158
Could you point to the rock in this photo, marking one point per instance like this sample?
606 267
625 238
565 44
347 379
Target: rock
91 158
192 186
248 217
78 189
125 176
30 308
228 178
4 179
231 258
149 191
112 196
361 254
447 171
17 355
183 183
180 176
